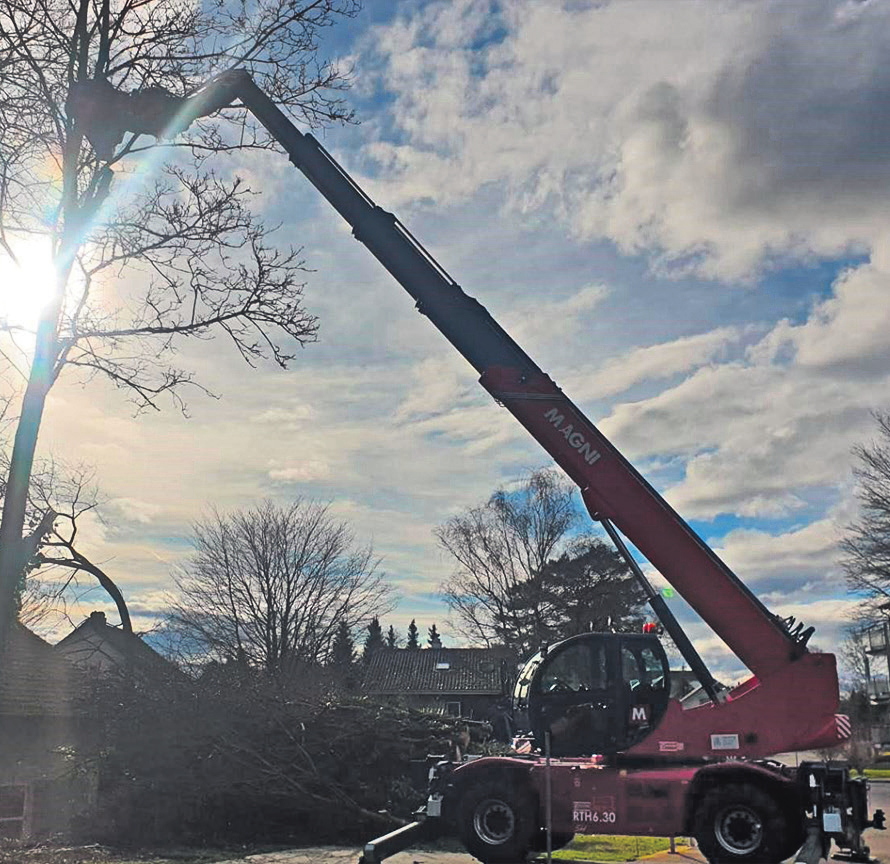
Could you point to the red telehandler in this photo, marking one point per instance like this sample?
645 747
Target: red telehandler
622 757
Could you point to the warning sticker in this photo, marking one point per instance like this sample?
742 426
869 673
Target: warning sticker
725 742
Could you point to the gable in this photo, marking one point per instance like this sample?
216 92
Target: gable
34 680
99 647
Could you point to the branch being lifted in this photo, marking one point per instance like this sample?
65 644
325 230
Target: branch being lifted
106 114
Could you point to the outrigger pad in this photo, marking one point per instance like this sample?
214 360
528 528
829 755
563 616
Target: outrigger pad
812 851
402 838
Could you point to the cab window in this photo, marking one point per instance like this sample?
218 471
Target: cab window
520 692
630 668
653 669
569 672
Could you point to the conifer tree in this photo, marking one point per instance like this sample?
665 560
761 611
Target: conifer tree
434 640
392 641
413 641
373 639
343 647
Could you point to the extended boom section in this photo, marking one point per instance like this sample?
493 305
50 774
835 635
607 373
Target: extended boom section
611 486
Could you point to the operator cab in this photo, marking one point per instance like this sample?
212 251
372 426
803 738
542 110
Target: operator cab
597 693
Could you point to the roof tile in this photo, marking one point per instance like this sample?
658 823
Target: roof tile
420 671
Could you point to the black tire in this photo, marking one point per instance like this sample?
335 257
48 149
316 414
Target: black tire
739 822
498 820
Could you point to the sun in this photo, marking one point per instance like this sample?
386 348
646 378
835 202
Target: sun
26 287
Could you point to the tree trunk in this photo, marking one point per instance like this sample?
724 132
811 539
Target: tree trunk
16 497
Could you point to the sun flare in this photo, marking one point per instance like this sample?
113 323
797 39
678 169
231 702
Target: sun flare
26 287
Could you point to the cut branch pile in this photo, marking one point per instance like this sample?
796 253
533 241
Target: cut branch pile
247 761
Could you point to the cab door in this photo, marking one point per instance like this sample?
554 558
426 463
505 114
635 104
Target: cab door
644 688
574 698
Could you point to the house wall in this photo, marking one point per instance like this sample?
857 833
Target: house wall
472 706
40 794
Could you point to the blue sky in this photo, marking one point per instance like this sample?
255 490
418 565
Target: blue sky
679 210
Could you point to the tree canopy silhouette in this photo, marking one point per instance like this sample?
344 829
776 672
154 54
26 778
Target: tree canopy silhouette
525 575
149 241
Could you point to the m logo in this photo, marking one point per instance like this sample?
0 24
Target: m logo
639 715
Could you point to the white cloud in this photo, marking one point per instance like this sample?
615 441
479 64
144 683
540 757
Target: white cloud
758 433
535 322
846 336
136 510
293 415
304 472
655 363
716 139
805 555
439 384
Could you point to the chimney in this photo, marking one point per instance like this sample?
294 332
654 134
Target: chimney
98 619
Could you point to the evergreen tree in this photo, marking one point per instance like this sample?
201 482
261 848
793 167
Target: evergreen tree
343 647
413 641
392 641
373 639
434 640
525 576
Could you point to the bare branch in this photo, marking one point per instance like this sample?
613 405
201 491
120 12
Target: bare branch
189 256
523 578
271 585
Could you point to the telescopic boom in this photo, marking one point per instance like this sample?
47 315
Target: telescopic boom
611 487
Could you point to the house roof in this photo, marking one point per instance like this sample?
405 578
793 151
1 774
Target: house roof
437 671
34 680
95 643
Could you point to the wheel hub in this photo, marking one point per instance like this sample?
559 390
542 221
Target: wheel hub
494 821
738 829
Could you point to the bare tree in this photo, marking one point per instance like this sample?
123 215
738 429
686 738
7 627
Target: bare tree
524 576
66 498
854 658
866 546
269 586
60 498
180 252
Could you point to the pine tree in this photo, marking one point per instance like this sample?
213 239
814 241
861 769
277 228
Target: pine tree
392 641
343 647
434 640
373 639
413 641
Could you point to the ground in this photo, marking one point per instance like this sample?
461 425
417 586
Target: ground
879 842
612 849
94 854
